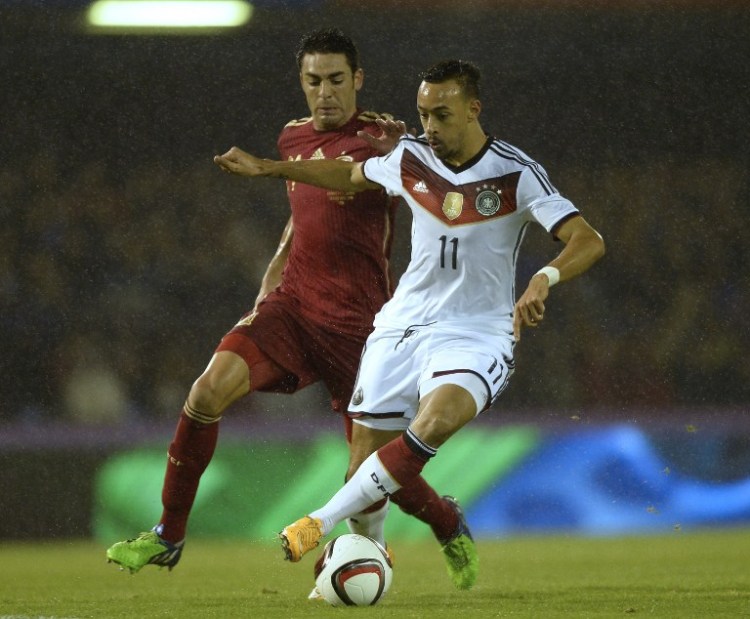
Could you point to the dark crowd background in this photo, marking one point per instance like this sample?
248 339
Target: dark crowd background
125 254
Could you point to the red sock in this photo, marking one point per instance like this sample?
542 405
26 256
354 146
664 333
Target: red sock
189 454
420 500
404 458
401 461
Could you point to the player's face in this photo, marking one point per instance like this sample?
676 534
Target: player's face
446 114
330 88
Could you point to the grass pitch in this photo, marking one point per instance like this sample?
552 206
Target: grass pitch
701 574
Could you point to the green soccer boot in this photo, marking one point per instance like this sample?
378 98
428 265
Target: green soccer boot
460 552
146 549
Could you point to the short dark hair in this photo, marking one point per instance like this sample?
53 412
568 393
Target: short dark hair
466 74
328 41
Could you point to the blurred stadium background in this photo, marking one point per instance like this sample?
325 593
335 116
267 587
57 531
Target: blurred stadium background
125 255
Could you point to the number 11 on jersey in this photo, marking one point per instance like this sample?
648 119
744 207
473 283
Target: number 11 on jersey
454 251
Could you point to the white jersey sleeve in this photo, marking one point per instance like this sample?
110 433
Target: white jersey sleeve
386 170
547 209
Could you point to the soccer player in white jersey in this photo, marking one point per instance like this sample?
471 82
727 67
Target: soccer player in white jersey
442 348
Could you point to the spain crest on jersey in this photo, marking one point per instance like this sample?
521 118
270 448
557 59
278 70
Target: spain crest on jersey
453 205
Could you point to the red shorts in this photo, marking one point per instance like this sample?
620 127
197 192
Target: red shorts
286 352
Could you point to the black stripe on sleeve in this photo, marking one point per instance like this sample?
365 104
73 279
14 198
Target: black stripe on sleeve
508 152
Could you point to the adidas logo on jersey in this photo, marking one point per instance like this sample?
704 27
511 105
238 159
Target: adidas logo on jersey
420 187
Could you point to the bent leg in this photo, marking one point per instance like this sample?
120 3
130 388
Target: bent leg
398 463
225 380
237 367
417 498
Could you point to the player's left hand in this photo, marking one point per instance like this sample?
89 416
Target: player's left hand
237 161
529 309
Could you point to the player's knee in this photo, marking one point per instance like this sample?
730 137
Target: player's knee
436 425
207 397
433 429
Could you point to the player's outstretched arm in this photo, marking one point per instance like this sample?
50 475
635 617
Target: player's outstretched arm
327 173
237 161
583 247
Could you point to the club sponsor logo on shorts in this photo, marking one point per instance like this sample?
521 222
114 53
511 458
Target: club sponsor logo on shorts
488 200
358 397
453 205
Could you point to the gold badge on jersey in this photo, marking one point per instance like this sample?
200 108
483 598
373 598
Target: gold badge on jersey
453 204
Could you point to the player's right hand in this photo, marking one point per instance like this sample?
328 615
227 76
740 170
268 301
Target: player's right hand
237 161
529 309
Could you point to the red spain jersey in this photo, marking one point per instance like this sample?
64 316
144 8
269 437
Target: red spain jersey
338 266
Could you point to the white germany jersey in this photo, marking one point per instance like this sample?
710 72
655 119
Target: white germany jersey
466 233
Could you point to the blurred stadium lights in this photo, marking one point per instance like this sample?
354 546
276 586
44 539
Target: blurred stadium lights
132 16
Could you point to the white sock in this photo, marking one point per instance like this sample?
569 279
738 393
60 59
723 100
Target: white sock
368 485
371 524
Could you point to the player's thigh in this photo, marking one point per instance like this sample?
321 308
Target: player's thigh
464 375
480 363
263 373
237 367
280 335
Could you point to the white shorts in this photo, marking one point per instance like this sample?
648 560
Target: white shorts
400 367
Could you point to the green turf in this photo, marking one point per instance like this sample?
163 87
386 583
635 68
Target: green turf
703 574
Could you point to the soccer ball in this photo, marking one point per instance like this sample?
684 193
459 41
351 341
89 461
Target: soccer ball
353 570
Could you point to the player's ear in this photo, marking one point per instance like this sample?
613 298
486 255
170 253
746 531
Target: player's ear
359 79
475 108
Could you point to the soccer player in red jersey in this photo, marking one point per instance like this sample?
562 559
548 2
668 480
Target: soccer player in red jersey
312 316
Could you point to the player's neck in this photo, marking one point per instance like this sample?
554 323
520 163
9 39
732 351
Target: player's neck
348 119
472 145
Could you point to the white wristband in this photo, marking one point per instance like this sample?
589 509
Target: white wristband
552 273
